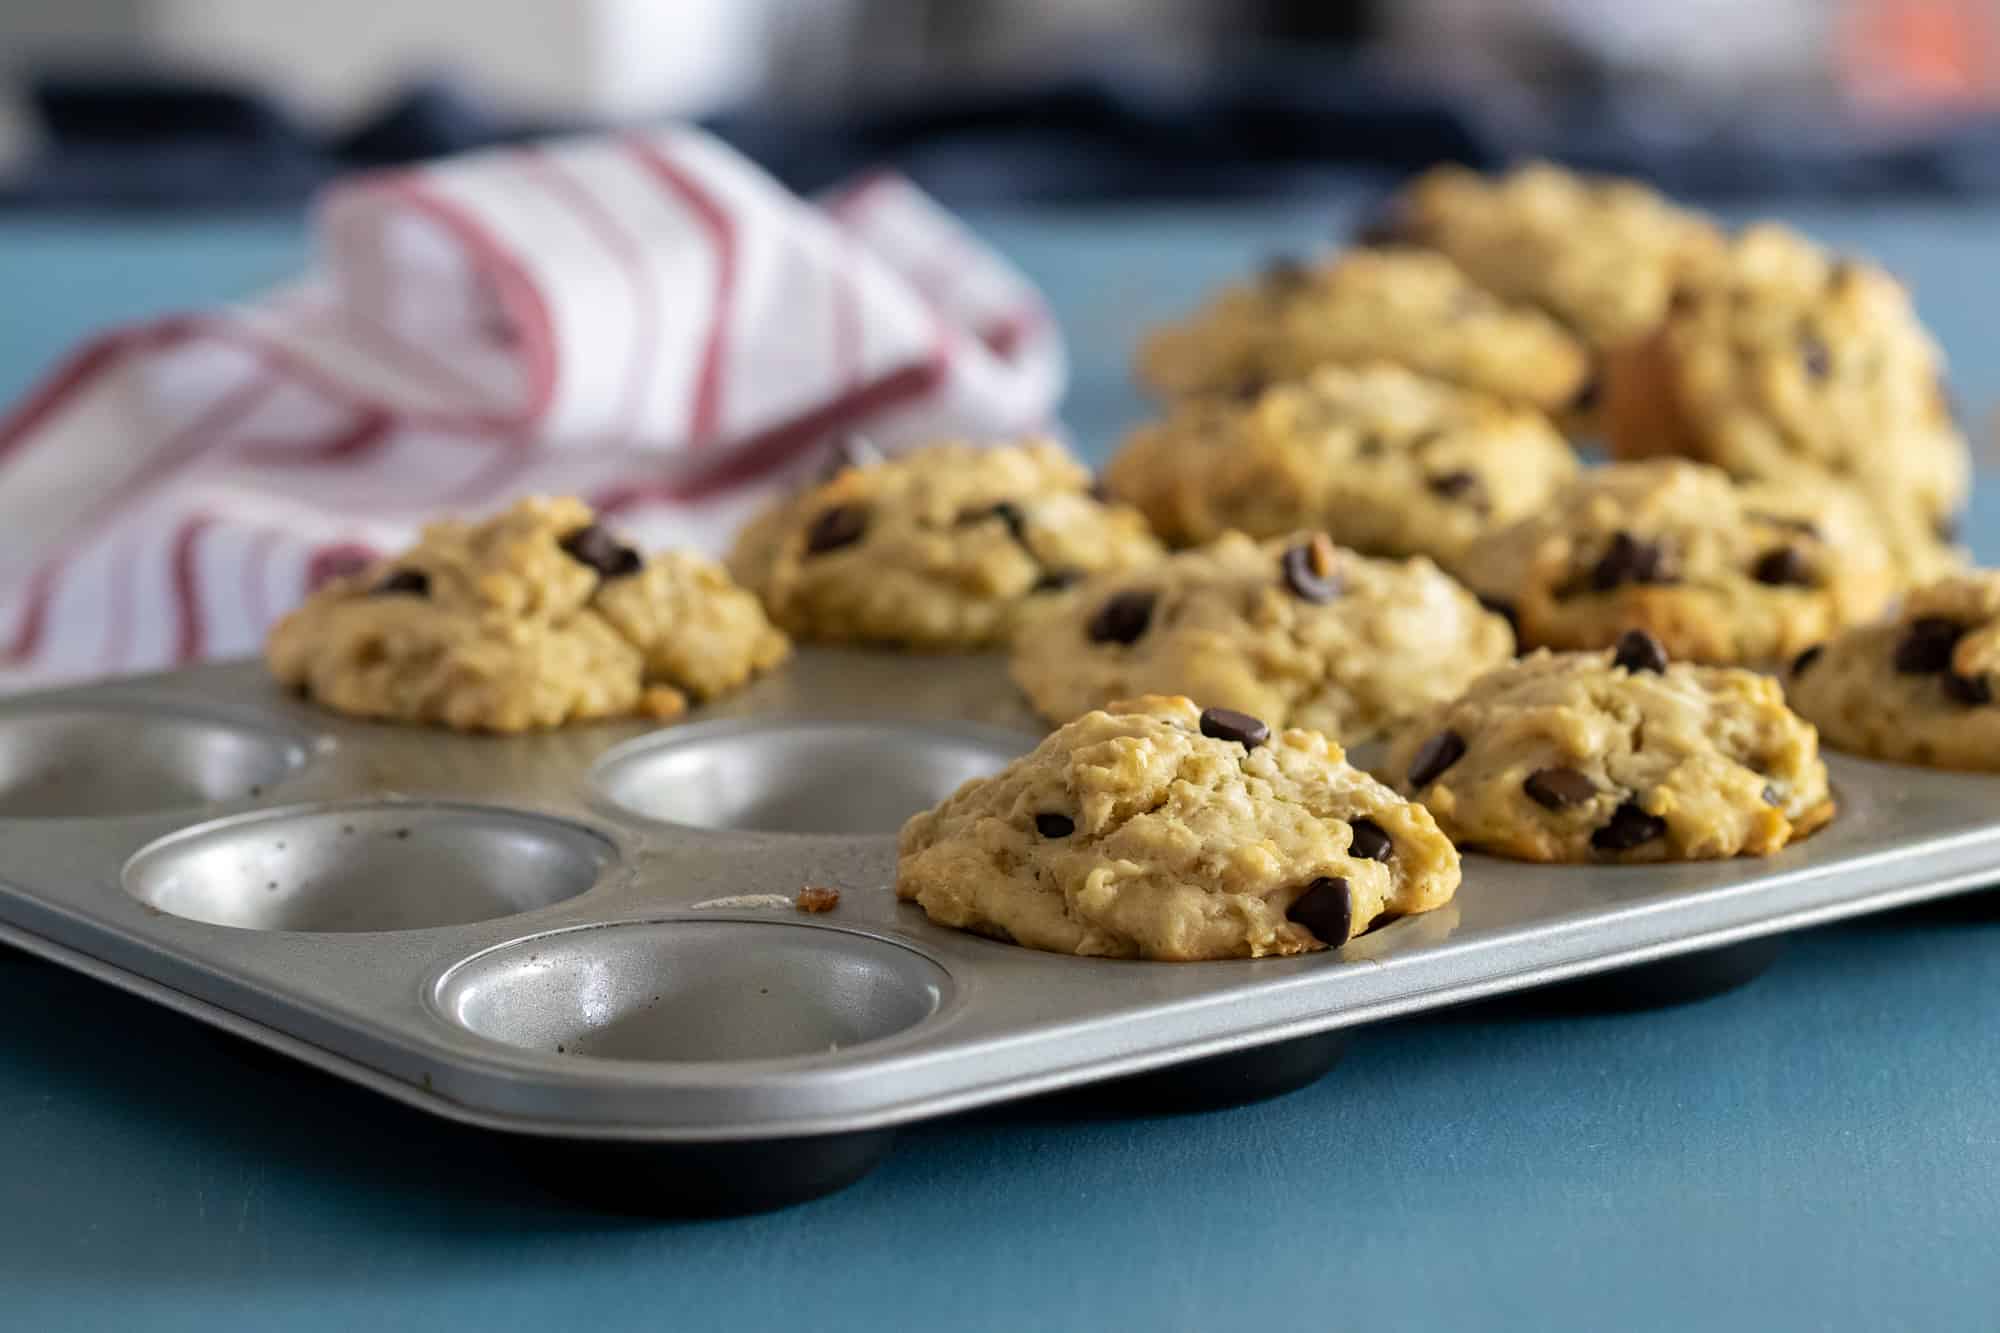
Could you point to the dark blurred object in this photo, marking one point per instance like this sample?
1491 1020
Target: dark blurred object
430 119
1278 123
141 142
1321 22
1277 126
145 141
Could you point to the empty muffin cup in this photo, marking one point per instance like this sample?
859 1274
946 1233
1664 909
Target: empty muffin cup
693 991
367 867
800 777
101 760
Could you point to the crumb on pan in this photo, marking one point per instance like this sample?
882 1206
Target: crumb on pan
743 902
817 898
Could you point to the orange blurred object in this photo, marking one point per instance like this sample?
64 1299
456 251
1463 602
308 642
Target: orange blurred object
1916 56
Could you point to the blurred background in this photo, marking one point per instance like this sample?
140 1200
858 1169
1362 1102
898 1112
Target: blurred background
249 104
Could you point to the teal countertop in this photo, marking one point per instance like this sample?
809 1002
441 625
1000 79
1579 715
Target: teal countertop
1816 1151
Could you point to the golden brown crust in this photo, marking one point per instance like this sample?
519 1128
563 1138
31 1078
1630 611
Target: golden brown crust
1641 414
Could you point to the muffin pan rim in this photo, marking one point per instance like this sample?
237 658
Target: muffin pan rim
1018 1023
946 1004
635 751
287 748
589 845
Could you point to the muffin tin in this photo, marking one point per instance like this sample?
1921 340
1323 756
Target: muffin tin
585 940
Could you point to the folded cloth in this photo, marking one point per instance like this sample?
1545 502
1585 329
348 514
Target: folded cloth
647 321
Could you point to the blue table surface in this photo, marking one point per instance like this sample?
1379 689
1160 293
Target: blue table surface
1817 1151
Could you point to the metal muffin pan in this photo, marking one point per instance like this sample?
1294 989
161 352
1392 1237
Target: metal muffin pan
572 938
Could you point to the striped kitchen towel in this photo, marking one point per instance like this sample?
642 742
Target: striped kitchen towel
645 320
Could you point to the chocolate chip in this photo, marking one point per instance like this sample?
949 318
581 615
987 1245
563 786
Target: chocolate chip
1818 361
1386 225
1006 511
1926 648
1558 788
1587 394
1772 796
1458 485
1504 609
1368 841
1629 827
597 548
1285 273
1946 527
1630 560
1010 513
1226 724
403 583
1100 491
1639 651
1782 565
841 525
1807 658
1434 756
1122 619
1326 909
1054 825
1055 580
1969 690
1310 570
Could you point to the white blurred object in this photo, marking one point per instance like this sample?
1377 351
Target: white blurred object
642 318
591 58
1714 43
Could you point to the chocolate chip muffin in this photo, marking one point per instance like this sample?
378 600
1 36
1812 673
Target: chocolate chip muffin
536 617
1787 362
1620 755
1157 830
1385 461
1295 631
1719 571
1599 253
943 548
1414 308
1920 688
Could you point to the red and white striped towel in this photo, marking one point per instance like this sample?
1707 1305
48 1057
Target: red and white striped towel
648 321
